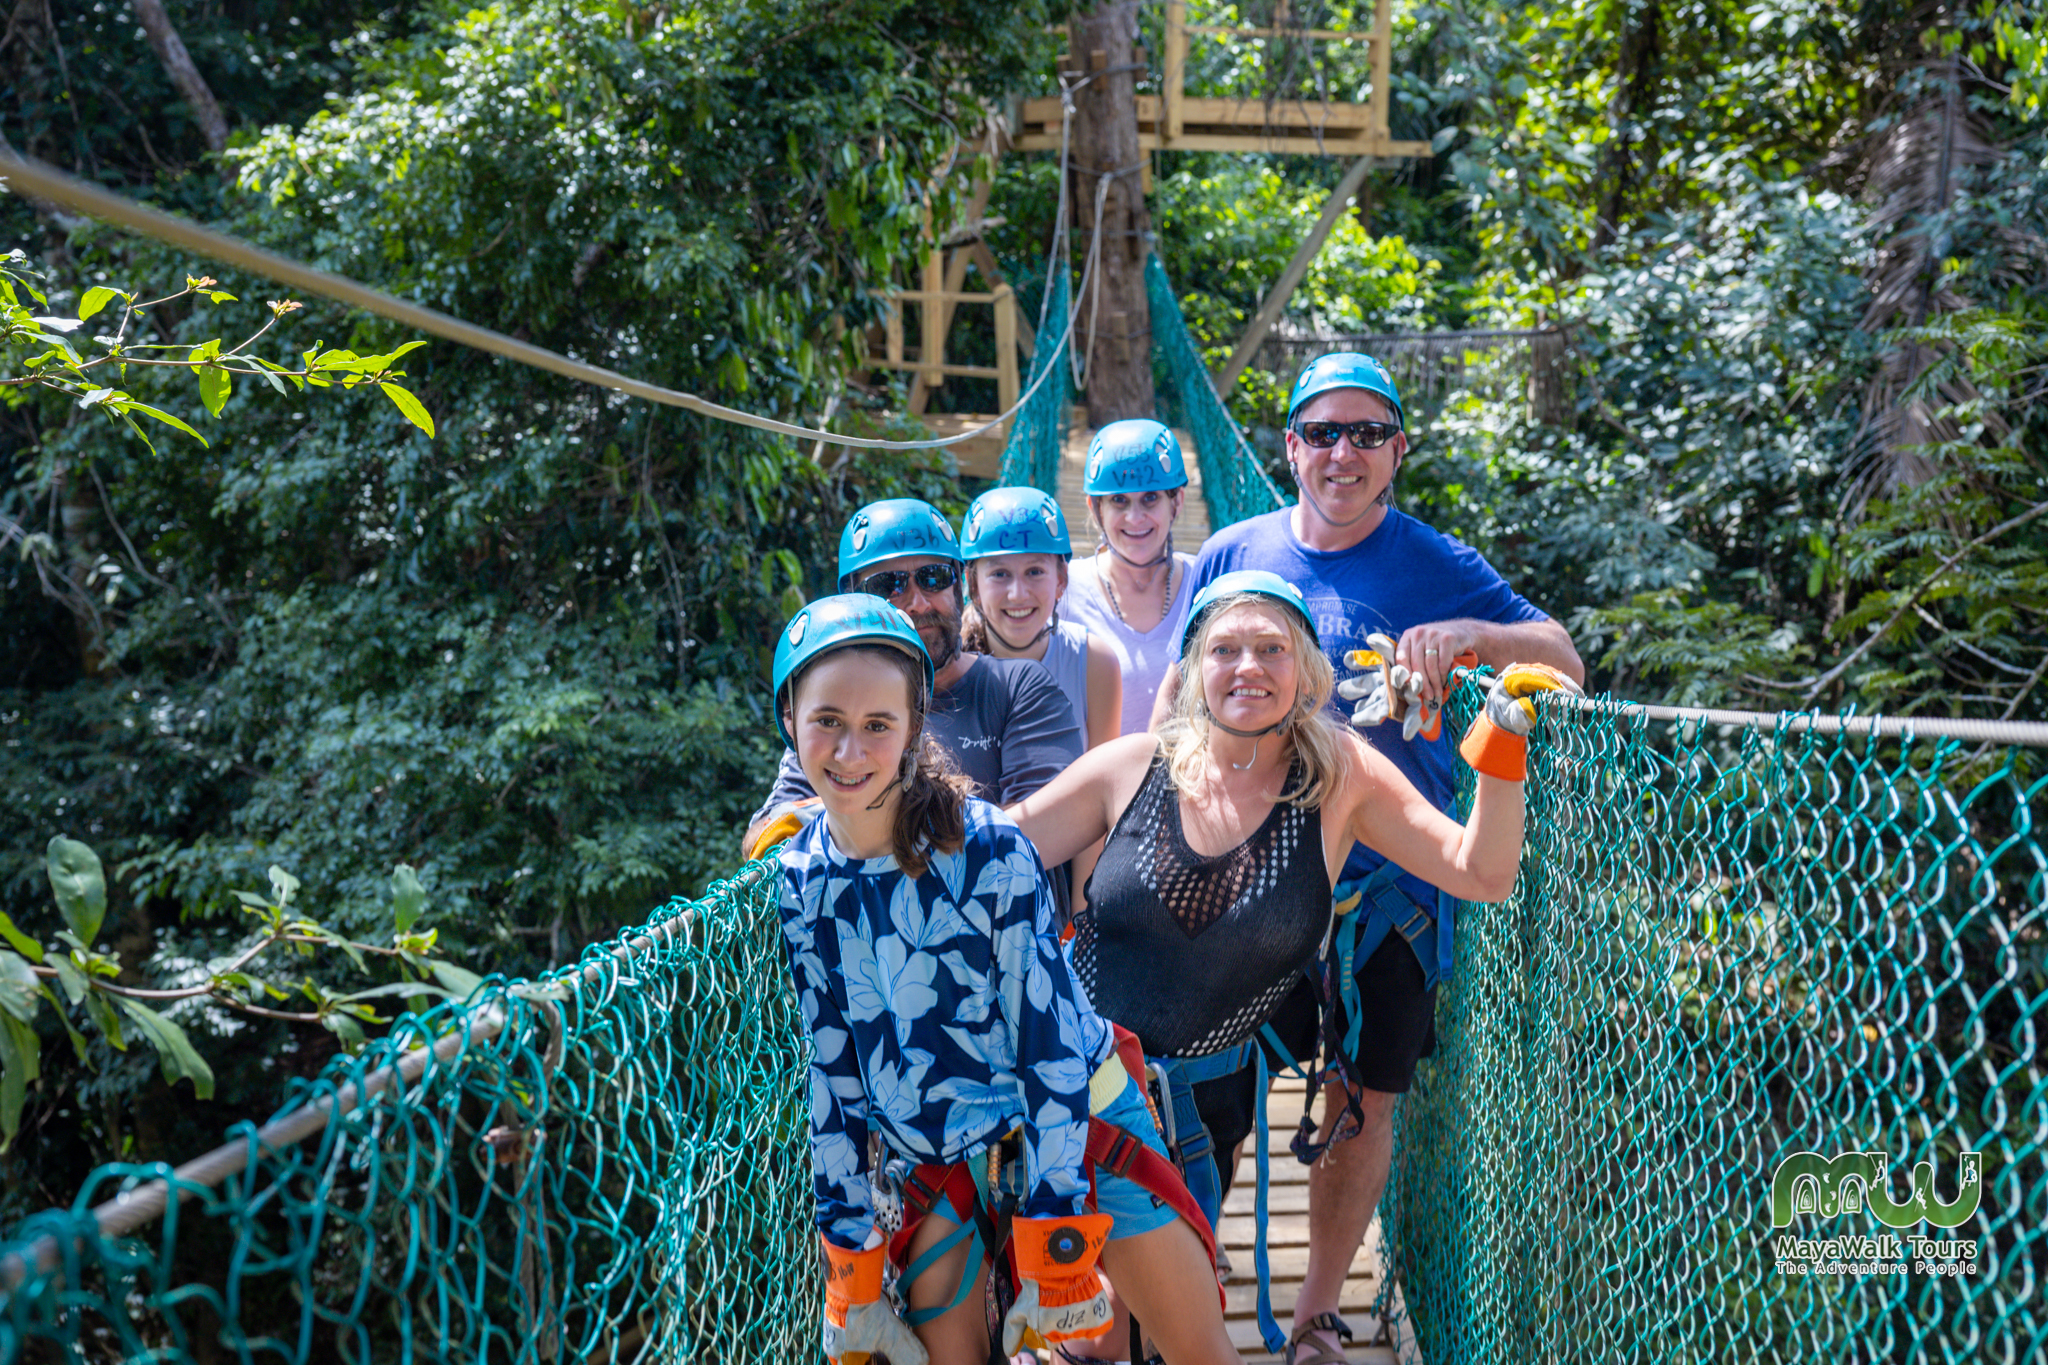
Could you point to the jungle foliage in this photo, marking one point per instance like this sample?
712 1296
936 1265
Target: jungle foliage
1786 449
521 657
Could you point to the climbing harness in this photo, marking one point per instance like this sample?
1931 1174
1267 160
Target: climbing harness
984 1203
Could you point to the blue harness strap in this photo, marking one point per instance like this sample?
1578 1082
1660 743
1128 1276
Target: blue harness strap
1195 1148
1384 906
970 1278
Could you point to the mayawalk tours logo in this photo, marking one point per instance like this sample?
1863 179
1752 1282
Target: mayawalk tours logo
1828 1187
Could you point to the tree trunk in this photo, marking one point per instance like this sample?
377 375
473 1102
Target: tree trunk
170 50
1105 144
1630 146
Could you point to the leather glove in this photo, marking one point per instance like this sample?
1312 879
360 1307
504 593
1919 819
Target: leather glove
1062 1296
858 1323
785 821
1388 691
1497 744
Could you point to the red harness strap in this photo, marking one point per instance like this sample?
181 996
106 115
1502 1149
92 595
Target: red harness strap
1110 1148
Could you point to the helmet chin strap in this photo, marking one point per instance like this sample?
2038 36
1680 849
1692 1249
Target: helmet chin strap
1052 623
1253 735
1164 555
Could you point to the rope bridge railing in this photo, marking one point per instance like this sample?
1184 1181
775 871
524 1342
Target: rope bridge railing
610 1165
1722 951
1234 481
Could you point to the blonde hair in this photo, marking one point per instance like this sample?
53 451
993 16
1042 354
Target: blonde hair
1184 738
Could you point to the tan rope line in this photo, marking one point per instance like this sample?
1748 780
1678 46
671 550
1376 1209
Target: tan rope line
46 182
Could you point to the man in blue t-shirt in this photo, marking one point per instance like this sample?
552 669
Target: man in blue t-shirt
1366 567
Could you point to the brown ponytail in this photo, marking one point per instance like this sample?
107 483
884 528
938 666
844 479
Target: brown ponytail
932 815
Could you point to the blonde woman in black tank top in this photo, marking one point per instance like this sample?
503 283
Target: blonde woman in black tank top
1227 829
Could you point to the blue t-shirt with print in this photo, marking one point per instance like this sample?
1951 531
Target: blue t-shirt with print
1406 573
942 1014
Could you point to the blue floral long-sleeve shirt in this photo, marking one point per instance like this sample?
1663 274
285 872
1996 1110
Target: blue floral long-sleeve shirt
942 1013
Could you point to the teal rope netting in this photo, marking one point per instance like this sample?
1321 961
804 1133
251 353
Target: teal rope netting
1234 481
1720 951
1031 455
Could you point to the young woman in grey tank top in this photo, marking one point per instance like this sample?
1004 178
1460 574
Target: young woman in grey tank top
1016 546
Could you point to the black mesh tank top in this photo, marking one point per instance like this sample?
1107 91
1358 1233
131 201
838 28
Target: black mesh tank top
1190 953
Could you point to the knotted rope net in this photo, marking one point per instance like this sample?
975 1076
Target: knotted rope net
1234 481
1725 948
1031 454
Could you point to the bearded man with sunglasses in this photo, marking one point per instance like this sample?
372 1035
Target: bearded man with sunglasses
1005 722
1365 568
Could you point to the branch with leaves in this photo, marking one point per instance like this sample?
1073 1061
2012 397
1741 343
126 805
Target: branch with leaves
90 370
32 974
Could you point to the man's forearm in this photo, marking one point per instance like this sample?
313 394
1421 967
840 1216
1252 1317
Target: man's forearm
1530 642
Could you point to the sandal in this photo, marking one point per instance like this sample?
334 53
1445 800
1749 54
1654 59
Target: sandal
1321 1322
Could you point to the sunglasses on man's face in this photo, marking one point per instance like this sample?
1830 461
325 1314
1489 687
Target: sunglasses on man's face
1364 435
892 583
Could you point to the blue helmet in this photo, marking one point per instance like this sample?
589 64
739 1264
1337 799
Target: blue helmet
1014 521
1259 581
892 527
1137 455
1345 370
833 623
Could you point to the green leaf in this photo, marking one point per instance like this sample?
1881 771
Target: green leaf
346 1029
174 1051
283 884
404 989
19 988
96 298
77 1039
70 978
21 1055
169 420
251 899
415 411
23 944
79 884
408 897
221 296
102 1013
215 384
460 981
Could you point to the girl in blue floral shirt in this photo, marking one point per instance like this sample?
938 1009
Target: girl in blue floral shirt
943 1018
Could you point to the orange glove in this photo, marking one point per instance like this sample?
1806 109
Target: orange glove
858 1323
1062 1297
1497 744
785 821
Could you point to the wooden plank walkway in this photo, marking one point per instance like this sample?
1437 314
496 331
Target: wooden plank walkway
1287 1241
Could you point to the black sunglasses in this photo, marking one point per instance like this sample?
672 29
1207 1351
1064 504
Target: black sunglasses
1364 435
891 583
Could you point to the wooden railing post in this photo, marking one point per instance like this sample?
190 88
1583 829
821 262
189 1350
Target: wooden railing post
1006 349
1381 130
932 347
1173 72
